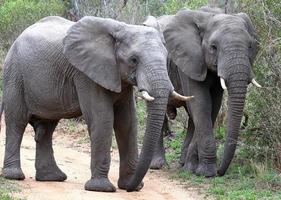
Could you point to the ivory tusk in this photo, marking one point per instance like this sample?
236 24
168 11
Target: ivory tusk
146 96
181 97
255 83
223 84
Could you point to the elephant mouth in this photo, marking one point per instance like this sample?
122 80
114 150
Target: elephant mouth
213 68
131 78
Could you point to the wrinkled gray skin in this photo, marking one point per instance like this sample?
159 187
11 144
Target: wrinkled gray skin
60 69
203 46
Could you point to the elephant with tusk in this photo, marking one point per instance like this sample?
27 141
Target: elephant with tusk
61 69
209 52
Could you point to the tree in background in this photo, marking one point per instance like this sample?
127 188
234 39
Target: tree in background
17 15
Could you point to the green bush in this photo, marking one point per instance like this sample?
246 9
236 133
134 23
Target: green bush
262 139
158 8
16 15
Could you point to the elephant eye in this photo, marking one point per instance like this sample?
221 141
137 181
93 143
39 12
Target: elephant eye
213 47
133 60
250 45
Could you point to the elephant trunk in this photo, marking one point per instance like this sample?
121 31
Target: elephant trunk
156 109
237 83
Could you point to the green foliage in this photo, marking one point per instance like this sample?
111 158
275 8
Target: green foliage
220 132
157 8
141 117
174 146
16 15
7 188
261 140
239 183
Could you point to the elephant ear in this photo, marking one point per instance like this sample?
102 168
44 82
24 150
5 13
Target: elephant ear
90 47
183 41
151 21
251 30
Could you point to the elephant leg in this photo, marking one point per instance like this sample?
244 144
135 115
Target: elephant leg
203 141
45 164
97 109
16 119
216 95
125 127
12 166
158 159
188 138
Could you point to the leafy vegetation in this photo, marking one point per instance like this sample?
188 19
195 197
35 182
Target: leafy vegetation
7 188
16 15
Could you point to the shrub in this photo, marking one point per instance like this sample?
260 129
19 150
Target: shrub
16 15
262 138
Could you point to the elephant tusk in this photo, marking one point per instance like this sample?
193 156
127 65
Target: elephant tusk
146 96
181 97
255 83
223 84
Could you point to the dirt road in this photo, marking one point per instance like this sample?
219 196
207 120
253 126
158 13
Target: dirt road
76 165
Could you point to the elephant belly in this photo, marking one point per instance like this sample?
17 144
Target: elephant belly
49 99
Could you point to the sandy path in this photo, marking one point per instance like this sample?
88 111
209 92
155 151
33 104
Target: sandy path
76 165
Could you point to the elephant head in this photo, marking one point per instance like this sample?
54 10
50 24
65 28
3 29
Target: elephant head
114 55
225 44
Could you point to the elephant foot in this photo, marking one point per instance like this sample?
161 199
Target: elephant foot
190 167
207 170
50 174
13 173
99 185
158 162
122 184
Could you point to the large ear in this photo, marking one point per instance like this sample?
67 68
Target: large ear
90 46
255 45
183 41
151 21
251 30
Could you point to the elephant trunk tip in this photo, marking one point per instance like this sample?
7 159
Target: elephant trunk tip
135 184
221 172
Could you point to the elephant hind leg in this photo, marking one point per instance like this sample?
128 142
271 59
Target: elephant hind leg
184 161
16 119
12 166
45 164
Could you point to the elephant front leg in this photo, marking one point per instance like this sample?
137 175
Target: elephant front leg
125 127
101 139
201 154
97 108
45 164
203 142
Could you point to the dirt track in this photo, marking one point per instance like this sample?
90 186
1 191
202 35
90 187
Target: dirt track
76 165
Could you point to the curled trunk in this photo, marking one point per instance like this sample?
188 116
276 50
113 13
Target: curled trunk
237 88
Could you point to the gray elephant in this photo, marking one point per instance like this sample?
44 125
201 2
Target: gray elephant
209 51
60 69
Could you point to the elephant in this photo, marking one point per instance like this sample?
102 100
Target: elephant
61 69
209 52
